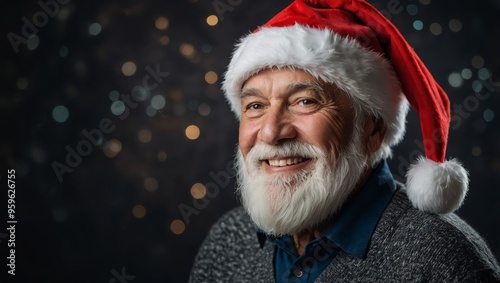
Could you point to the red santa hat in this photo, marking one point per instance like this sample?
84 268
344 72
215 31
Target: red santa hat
351 44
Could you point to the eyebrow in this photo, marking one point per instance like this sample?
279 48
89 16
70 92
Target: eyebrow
306 85
246 92
291 88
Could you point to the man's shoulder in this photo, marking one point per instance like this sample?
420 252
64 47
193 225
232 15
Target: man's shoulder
404 219
236 214
233 228
441 242
236 221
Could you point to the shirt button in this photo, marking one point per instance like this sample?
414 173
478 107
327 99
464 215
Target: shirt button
298 272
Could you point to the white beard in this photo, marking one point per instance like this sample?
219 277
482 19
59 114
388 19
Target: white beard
282 204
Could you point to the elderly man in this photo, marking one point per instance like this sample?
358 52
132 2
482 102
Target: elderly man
322 91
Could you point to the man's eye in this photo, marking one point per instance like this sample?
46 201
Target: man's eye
305 106
306 102
254 106
254 110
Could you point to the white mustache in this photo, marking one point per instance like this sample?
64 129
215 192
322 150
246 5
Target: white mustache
290 149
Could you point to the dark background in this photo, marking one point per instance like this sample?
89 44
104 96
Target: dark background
113 213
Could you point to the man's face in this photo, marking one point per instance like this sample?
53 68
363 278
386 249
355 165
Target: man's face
291 105
300 150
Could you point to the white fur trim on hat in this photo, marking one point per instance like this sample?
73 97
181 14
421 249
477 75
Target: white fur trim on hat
437 187
366 76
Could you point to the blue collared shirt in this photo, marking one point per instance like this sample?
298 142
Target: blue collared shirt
351 232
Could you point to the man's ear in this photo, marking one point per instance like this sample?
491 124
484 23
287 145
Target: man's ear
375 130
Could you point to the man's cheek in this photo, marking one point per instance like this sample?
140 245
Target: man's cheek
244 146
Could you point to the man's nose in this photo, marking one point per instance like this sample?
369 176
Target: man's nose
276 127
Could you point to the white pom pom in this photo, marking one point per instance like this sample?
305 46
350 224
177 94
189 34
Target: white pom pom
437 187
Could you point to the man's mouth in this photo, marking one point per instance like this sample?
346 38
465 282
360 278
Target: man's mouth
281 162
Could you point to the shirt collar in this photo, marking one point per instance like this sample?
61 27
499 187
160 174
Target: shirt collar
357 220
359 216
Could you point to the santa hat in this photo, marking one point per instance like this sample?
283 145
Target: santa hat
352 45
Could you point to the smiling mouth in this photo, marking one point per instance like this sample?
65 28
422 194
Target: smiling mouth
286 161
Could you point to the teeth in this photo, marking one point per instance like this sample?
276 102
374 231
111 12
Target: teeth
285 162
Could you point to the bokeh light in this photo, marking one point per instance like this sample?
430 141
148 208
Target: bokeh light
177 227
164 40
187 50
455 79
412 9
112 148
477 62
483 74
477 86
151 184
436 29
418 25
466 73
161 156
488 115
114 95
158 102
198 191
192 132
176 94
129 68
95 29
204 109
63 51
211 77
139 211
60 113
455 25
212 20
476 151
33 42
117 108
145 135
150 111
161 23
140 93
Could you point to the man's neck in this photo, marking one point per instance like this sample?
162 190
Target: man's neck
302 238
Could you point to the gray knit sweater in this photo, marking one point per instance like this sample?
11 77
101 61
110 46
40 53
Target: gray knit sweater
408 245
